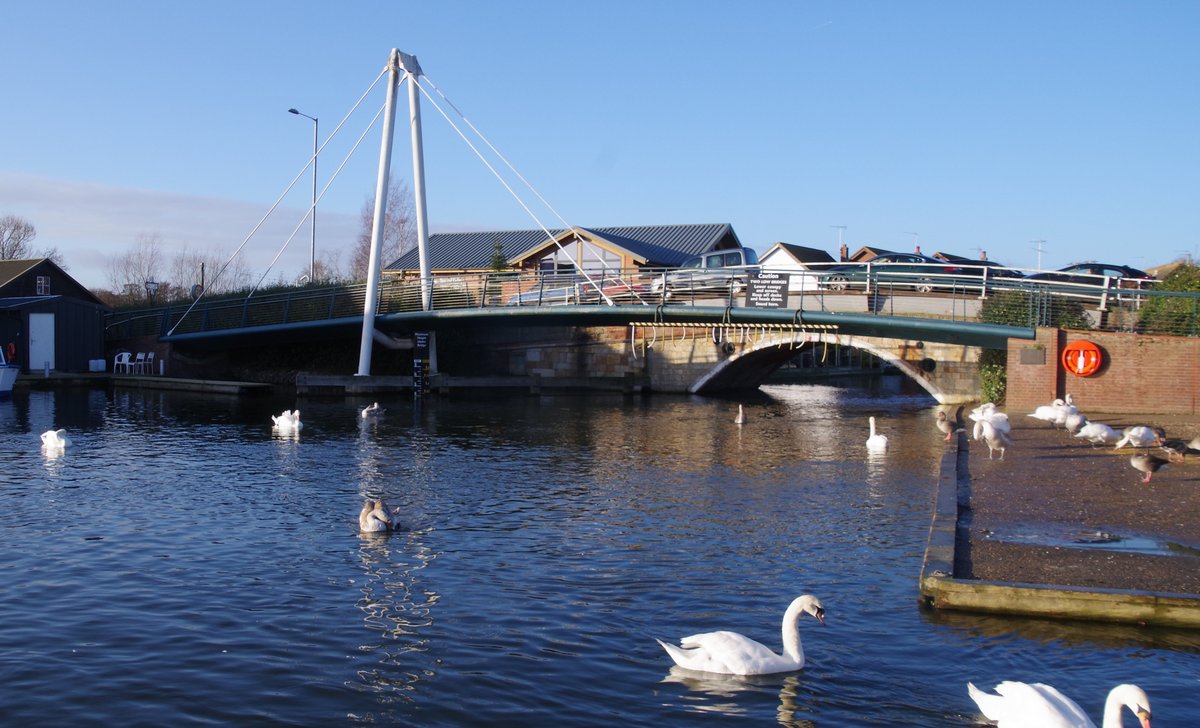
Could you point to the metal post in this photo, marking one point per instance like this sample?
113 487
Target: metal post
410 64
381 186
312 255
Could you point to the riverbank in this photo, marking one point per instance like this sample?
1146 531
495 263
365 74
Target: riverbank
1060 515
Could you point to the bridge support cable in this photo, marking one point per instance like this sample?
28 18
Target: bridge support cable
500 178
371 299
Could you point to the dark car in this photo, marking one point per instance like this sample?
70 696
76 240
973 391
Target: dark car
914 270
1098 274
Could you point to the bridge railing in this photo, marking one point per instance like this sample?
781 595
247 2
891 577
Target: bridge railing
961 293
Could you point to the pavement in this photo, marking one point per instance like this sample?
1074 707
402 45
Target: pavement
1058 511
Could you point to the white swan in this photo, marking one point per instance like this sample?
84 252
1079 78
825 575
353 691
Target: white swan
55 439
741 416
1098 433
876 443
989 413
1141 436
375 517
1020 705
289 420
1051 412
730 653
995 438
372 410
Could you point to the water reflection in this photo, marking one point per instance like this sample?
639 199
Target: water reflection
725 689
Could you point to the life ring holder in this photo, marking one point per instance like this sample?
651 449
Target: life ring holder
1082 358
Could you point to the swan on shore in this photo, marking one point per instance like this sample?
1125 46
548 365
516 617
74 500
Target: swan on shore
1140 436
1023 705
993 437
1098 433
876 442
55 439
731 653
375 517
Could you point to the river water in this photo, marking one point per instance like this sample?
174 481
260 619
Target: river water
181 564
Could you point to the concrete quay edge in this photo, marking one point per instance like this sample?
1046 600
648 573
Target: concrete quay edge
940 589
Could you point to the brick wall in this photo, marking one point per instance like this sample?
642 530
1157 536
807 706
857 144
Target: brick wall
1140 374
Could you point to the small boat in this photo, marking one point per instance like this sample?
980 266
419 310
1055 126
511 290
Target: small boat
8 375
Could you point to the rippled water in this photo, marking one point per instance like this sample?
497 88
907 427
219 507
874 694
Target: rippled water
181 564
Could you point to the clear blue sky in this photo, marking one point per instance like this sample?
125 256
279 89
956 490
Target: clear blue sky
972 125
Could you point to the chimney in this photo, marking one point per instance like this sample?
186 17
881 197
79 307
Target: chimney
983 255
843 253
917 249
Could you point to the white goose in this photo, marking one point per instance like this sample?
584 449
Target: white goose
372 410
289 421
730 653
1021 705
55 439
876 442
375 517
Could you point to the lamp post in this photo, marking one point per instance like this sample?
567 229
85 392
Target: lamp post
312 256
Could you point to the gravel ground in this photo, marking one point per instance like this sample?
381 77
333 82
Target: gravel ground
1059 511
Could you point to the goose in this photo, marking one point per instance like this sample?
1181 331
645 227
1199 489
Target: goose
1098 433
55 439
1140 436
993 437
1021 705
1177 450
730 653
876 443
741 416
375 517
372 410
945 425
289 420
1148 463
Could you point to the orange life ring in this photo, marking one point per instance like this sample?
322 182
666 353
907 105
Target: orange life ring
1082 358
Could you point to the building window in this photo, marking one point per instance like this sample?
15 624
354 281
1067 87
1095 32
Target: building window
43 285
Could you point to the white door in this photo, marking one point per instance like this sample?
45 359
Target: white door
41 341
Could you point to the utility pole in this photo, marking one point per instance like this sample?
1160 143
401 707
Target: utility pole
1039 246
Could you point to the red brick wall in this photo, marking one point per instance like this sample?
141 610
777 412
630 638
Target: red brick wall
1140 374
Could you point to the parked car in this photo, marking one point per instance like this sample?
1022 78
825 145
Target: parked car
1095 274
718 271
920 272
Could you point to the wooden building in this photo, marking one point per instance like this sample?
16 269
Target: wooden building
48 320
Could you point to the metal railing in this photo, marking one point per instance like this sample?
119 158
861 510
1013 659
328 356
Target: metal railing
992 296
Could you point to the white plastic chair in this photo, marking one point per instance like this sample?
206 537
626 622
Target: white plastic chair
122 363
148 365
139 363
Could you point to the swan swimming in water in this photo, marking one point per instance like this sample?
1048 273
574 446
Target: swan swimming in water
55 439
876 442
1021 705
372 410
289 420
375 517
730 653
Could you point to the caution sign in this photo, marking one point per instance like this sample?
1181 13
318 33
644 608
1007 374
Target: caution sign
768 289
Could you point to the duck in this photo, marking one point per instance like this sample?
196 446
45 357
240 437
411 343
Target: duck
1023 705
372 410
375 517
730 653
1141 436
741 416
1148 463
289 420
1098 433
55 439
994 438
876 442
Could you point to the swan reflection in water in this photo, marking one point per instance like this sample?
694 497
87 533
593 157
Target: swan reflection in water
719 693
397 610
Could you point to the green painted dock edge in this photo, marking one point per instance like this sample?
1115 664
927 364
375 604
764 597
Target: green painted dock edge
941 590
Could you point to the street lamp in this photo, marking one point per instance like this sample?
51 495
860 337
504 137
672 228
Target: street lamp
312 257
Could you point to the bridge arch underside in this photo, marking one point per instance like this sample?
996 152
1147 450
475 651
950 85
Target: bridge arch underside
949 372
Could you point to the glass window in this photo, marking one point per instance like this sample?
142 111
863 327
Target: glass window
43 285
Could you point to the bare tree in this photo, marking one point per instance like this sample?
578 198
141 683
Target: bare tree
16 238
326 270
129 272
399 229
190 273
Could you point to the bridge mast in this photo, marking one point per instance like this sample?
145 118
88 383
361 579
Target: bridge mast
412 69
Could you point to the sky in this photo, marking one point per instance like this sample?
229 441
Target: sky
953 126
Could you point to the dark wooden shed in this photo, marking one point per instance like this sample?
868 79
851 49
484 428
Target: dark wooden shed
47 319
